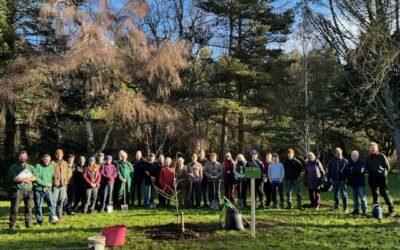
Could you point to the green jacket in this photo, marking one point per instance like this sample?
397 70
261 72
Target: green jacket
378 165
16 169
44 176
125 172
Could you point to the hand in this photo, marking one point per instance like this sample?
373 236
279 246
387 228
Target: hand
93 185
48 185
153 178
123 180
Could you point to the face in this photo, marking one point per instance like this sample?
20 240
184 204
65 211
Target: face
59 155
311 157
290 155
168 162
122 157
91 163
338 153
354 156
254 157
71 160
275 159
180 162
161 158
100 158
152 158
138 155
82 161
22 158
228 158
108 161
373 149
268 157
201 155
213 158
46 160
194 158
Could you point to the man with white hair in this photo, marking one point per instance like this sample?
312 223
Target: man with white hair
336 175
125 173
355 171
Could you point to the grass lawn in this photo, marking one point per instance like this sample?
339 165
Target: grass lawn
288 229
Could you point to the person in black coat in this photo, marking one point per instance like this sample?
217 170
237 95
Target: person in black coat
293 169
138 177
338 179
355 179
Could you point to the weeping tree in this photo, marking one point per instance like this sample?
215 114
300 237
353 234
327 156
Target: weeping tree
365 36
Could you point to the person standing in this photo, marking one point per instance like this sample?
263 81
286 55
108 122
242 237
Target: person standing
125 173
229 178
293 169
79 185
266 180
156 176
337 177
70 187
148 191
182 183
138 177
195 176
213 171
61 177
256 163
276 173
92 178
204 183
108 173
241 183
21 189
42 189
355 171
314 171
378 168
167 178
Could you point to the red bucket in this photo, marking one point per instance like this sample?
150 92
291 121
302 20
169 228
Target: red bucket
115 235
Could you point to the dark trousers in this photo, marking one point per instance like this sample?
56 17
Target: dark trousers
79 197
204 190
195 195
242 190
230 191
260 190
315 198
214 191
70 198
91 198
136 192
268 193
106 194
277 185
293 184
16 196
378 185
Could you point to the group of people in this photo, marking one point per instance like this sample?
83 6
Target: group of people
88 186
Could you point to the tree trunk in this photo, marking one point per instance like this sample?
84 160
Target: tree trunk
224 136
88 125
9 140
396 138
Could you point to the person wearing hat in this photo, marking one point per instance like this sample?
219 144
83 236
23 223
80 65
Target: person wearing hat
213 171
108 173
92 178
41 189
256 163
229 177
62 174
21 189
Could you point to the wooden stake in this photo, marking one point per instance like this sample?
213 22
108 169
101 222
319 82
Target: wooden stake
253 208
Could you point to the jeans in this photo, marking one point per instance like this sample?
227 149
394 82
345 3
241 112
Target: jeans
293 184
214 195
204 186
136 192
148 194
59 196
359 192
339 186
107 191
39 197
277 185
378 185
16 196
195 196
91 197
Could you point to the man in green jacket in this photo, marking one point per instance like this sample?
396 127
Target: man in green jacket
20 176
42 189
378 167
125 173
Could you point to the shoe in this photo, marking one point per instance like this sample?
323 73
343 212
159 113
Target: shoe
39 223
274 206
12 227
28 225
346 210
261 206
336 209
289 207
391 214
54 220
365 214
317 208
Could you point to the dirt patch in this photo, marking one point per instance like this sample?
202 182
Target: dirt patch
172 232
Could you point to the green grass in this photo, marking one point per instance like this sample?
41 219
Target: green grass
291 229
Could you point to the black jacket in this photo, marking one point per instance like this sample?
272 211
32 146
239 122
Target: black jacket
336 169
293 168
139 169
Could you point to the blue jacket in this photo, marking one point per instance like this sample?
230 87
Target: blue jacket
336 169
355 173
276 172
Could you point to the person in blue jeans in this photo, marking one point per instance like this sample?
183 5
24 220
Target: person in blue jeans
293 169
337 177
42 190
276 174
355 171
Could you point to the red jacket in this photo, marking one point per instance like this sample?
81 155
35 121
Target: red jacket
167 175
96 180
